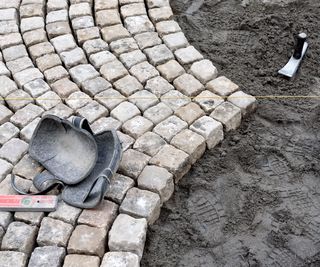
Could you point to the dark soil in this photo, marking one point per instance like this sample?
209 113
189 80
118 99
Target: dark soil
254 200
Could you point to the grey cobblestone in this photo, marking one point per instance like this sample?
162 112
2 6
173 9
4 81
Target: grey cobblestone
110 98
17 100
159 54
48 100
75 260
66 213
95 86
125 111
208 101
123 46
141 204
54 74
59 28
143 99
7 27
95 46
6 187
245 102
174 99
210 129
27 168
13 258
5 169
7 86
101 58
73 57
160 14
175 40
27 131
5 219
188 85
19 237
14 52
13 150
77 100
119 186
113 71
188 55
93 241
47 256
158 113
54 233
26 76
25 115
108 17
92 111
105 123
172 159
158 86
36 88
35 37
149 143
128 85
137 126
134 9
33 218
41 49
189 113
128 234
10 39
132 58
102 216
204 71
167 27
126 140
84 35
29 24
64 87
171 70
158 180
5 114
147 39
7 131
19 64
144 71
132 163
138 24
119 259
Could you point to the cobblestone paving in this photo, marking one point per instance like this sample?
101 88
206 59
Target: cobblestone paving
122 64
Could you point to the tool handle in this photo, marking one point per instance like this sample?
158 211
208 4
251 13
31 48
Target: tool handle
301 39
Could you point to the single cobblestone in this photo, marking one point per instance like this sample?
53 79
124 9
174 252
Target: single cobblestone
33 218
75 260
54 233
108 17
92 111
73 57
159 54
149 143
10 39
228 114
143 99
167 27
189 113
115 32
147 39
5 114
57 73
25 115
19 237
64 87
66 213
171 70
5 219
7 132
158 86
128 85
95 46
26 76
210 129
120 259
13 150
158 113
48 100
160 14
119 186
78 100
132 58
19 64
132 163
170 127
57 29
175 40
188 55
191 143
137 126
208 101
204 71
5 169
174 160
222 86
138 24
245 102
128 234
188 85
101 216
27 168
47 256
18 99
84 35
7 86
101 58
36 88
126 141
113 71
27 131
41 49
175 99
125 111
110 98
82 22
92 241
14 52
123 46
34 37
13 258
104 124
95 86
157 180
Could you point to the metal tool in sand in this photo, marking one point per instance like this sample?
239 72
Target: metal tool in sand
290 69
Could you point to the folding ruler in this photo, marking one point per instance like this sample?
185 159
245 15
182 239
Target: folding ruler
28 203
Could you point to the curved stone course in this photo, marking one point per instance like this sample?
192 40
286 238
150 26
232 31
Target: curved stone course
122 64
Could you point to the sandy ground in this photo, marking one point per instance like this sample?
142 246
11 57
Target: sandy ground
253 200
